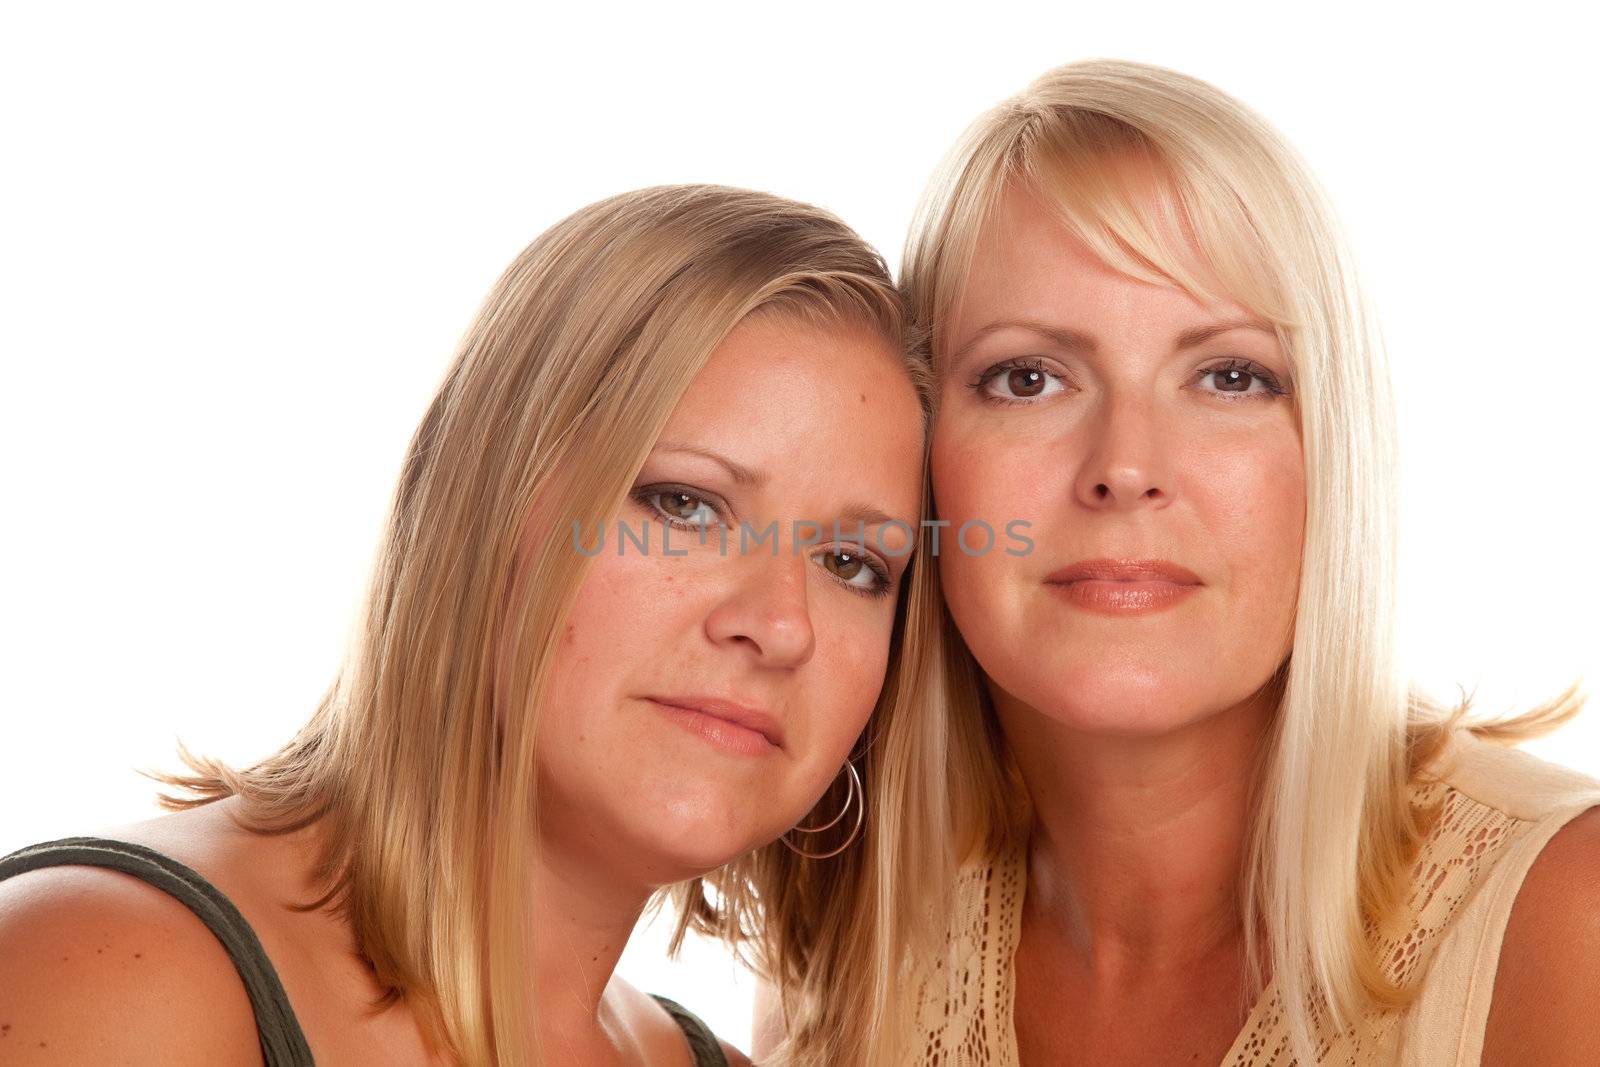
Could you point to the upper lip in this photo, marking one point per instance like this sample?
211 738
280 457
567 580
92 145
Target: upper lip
1124 570
763 722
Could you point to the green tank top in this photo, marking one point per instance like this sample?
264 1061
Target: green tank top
282 1042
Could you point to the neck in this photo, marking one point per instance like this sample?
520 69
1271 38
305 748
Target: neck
1138 840
583 912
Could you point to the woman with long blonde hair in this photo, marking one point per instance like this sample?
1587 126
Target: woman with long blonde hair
1199 816
648 598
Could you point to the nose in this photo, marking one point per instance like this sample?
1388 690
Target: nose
1127 462
767 609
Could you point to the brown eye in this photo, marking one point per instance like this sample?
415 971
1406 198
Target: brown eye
1241 379
1233 381
1017 382
853 569
1025 382
843 564
680 507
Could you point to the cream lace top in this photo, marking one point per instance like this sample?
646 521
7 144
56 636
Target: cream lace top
1501 806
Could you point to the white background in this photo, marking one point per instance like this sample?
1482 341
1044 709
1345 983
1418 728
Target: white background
237 246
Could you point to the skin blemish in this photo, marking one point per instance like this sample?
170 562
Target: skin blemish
5 1029
138 955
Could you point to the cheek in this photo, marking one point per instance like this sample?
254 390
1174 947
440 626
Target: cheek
620 599
628 608
1251 499
853 659
980 475
981 470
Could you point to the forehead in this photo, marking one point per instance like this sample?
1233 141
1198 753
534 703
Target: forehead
825 408
1029 264
1025 234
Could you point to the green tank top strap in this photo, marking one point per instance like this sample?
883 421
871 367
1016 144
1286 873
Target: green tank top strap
702 1042
282 1042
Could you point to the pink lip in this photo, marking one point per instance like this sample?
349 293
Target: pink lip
1124 586
736 727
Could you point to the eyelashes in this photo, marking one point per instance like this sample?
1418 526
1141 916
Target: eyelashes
1033 371
1036 376
861 564
651 496
851 562
1244 368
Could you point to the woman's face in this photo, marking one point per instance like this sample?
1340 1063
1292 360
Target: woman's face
788 421
1128 422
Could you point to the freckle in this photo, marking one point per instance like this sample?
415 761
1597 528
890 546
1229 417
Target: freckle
863 398
99 951
138 955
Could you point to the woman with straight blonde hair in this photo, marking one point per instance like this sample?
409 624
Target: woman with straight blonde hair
1200 816
1208 817
648 598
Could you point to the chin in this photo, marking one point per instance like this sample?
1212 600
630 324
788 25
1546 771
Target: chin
1131 704
692 833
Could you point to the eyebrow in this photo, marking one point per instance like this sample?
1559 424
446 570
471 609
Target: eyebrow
741 474
868 516
863 514
1077 341
1068 339
1201 334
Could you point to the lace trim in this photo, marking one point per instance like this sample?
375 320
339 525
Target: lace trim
964 1002
1460 849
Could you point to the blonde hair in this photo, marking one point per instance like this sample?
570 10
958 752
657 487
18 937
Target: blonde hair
419 762
1233 213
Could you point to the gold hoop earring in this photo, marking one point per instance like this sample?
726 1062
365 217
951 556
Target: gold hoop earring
856 793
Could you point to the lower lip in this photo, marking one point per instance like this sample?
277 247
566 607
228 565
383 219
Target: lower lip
1106 597
728 736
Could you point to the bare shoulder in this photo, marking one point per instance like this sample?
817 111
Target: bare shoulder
735 1057
96 966
1548 980
659 1034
